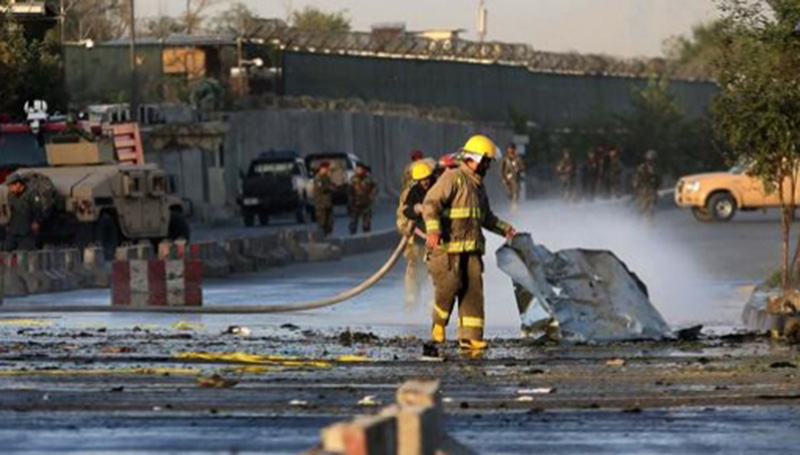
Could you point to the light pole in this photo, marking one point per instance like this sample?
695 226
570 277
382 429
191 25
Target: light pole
134 102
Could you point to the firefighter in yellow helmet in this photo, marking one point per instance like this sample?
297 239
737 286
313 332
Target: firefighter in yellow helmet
422 181
456 209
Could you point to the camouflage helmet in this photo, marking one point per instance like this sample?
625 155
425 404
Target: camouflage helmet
651 155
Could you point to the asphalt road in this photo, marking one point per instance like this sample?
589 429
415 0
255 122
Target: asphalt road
117 384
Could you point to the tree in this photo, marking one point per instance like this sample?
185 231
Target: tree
99 20
238 20
695 54
195 14
311 19
30 69
757 110
162 27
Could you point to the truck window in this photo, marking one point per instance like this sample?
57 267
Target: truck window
22 150
273 168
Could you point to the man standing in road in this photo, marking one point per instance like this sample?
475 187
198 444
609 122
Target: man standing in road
566 171
646 183
513 171
614 176
455 209
589 176
323 198
422 173
24 219
362 194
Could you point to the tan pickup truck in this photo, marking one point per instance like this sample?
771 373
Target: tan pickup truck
717 196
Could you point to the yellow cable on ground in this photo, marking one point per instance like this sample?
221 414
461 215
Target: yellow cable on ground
222 309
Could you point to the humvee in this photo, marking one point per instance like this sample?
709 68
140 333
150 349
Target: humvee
87 197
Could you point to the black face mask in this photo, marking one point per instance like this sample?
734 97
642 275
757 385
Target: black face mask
483 168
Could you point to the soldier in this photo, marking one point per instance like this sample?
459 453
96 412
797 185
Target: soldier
589 176
422 173
646 183
566 173
513 171
361 196
416 155
601 158
24 222
323 198
455 209
614 175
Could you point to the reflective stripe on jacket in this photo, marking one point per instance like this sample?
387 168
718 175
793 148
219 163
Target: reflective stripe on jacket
457 207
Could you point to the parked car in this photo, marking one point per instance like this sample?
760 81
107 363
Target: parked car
343 167
275 183
718 196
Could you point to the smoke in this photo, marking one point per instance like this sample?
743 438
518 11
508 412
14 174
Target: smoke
679 286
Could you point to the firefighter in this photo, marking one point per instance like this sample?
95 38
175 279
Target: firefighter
423 179
323 198
24 219
455 209
362 194
513 171
416 155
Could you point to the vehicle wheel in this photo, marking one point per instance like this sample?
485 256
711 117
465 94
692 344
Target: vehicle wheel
721 206
263 218
178 227
107 235
249 219
701 214
300 215
312 214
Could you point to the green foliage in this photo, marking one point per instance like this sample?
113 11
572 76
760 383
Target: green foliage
235 21
757 110
314 20
657 122
696 53
31 69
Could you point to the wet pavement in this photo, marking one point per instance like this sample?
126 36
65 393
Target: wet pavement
128 383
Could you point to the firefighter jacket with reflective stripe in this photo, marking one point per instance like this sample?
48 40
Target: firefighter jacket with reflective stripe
457 207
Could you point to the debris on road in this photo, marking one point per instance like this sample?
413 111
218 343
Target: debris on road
369 400
298 403
185 325
537 391
215 381
238 330
347 338
616 362
591 295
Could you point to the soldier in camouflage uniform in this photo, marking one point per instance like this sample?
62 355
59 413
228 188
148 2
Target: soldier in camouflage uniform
361 196
24 219
566 173
614 173
646 183
589 172
513 171
323 198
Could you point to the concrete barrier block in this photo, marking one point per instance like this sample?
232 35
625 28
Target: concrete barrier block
240 263
371 435
424 393
94 263
321 252
156 283
13 284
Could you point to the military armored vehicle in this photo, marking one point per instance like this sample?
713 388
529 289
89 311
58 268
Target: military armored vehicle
86 196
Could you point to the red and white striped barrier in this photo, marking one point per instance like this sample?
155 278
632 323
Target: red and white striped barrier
159 282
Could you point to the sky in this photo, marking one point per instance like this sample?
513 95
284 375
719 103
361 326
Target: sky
625 28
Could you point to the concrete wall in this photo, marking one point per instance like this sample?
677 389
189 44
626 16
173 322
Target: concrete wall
382 141
484 91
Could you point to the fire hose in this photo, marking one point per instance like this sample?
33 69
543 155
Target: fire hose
222 309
